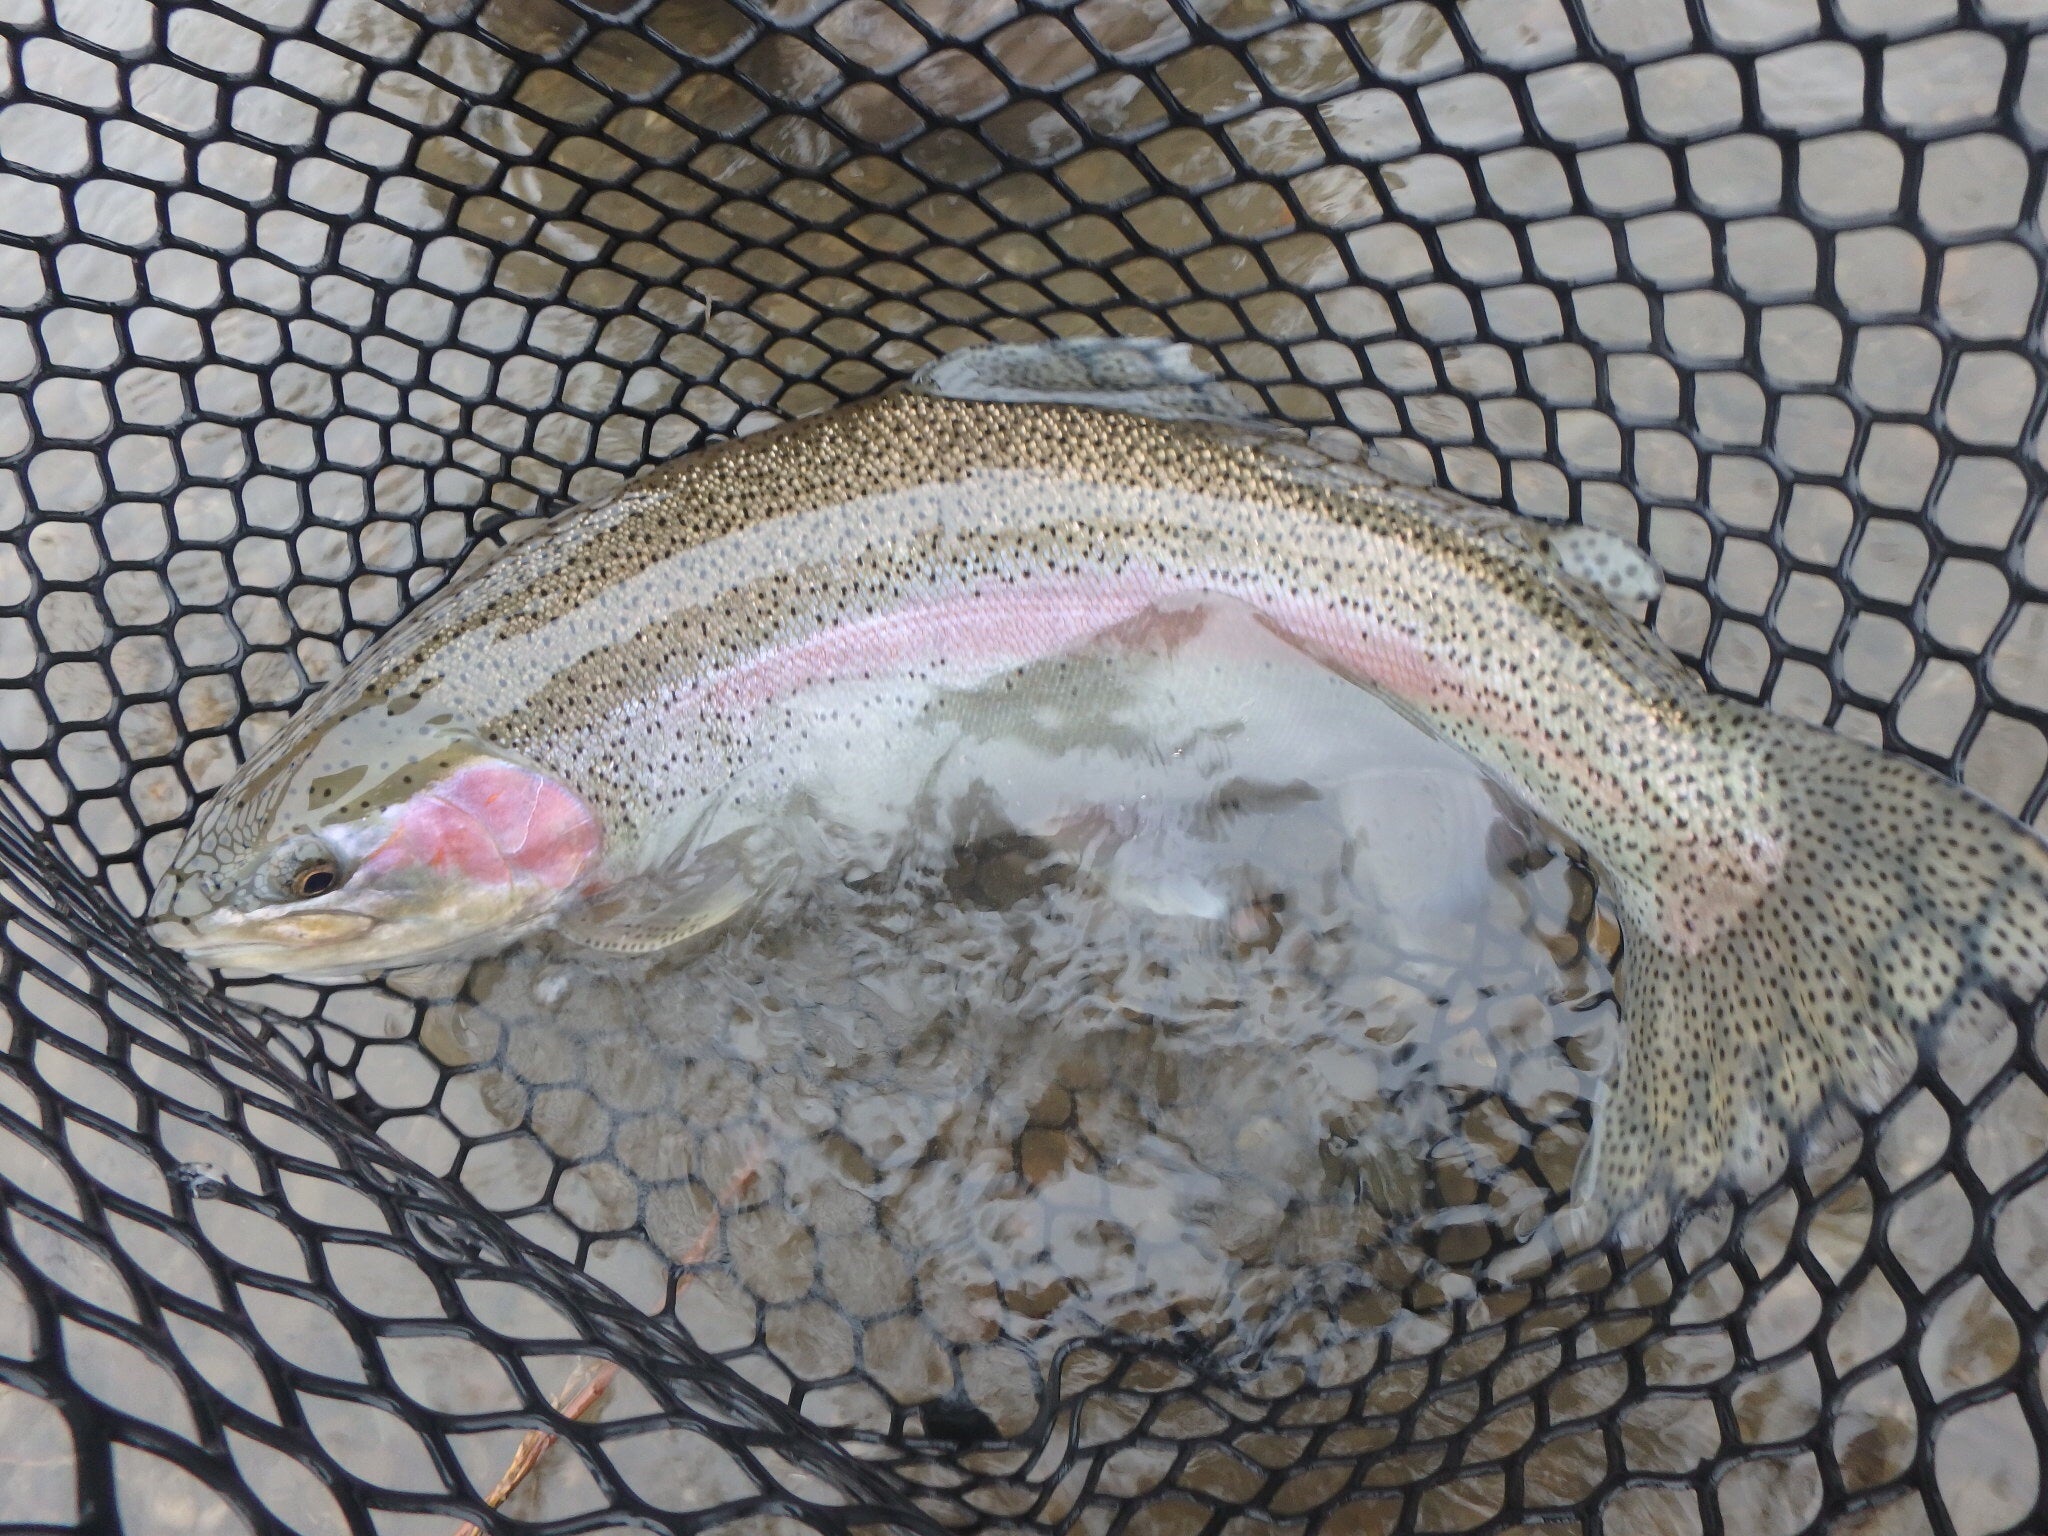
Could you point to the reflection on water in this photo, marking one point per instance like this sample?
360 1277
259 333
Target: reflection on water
1231 1013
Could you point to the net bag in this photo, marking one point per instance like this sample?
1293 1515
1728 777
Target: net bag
305 302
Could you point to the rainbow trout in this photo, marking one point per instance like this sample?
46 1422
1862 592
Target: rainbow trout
602 730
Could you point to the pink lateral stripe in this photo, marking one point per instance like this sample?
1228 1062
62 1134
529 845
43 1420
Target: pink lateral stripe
952 636
958 638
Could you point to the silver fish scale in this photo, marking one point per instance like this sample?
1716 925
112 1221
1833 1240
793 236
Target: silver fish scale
309 302
648 603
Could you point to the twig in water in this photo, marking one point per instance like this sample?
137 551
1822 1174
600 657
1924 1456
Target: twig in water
591 1379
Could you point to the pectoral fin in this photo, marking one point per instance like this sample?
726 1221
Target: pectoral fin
699 892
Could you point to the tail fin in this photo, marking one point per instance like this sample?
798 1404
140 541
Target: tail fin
1900 896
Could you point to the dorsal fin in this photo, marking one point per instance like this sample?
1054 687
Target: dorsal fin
1612 566
1120 373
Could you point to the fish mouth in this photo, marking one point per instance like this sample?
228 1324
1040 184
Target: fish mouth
273 940
332 945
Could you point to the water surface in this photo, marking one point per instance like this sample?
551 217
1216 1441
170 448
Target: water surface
1184 995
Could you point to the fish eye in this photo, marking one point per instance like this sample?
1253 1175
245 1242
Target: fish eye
303 868
315 876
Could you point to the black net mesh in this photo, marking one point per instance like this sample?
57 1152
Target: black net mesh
305 301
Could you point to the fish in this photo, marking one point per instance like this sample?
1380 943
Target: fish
602 731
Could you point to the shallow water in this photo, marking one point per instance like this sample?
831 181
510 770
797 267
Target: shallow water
1232 1013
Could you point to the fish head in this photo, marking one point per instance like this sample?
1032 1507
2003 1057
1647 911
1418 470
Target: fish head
371 839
